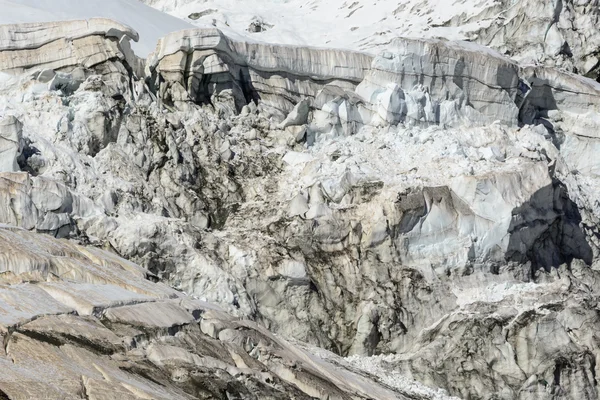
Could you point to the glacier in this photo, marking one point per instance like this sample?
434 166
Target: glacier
273 204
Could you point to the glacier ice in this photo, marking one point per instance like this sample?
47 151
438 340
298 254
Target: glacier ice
429 202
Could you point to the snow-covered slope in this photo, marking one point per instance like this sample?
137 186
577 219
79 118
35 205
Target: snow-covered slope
354 24
148 22
558 33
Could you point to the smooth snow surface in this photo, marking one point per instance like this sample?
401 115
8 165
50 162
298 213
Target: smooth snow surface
150 23
366 25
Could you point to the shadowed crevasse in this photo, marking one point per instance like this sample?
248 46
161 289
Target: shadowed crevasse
548 237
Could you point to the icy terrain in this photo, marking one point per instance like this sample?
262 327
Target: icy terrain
562 33
265 208
150 24
361 25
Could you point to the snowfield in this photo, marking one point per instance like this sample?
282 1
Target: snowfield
364 25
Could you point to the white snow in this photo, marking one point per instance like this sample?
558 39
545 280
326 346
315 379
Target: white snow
148 22
359 25
430 156
366 25
496 292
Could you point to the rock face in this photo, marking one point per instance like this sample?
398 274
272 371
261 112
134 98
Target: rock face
429 205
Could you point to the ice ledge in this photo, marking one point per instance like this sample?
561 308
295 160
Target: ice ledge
318 63
428 81
460 81
63 46
36 34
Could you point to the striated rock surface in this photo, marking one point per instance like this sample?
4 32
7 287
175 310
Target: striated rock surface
429 206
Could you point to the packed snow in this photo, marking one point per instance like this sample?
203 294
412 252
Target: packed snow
352 24
380 369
